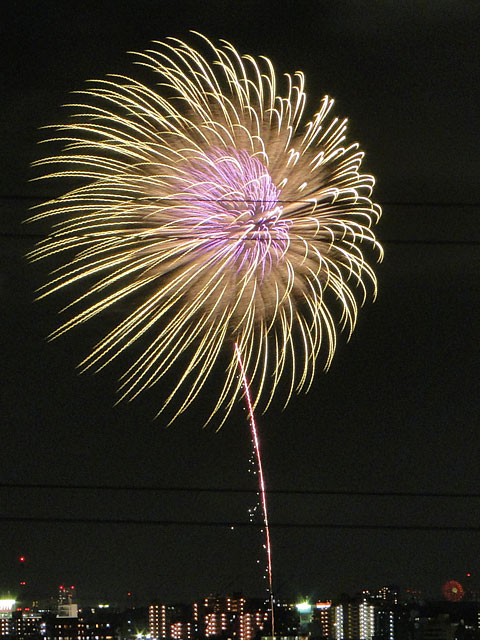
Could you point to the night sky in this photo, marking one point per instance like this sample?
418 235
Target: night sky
397 412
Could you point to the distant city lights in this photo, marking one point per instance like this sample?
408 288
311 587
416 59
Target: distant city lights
304 607
6 604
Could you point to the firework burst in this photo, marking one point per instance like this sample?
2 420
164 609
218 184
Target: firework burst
219 215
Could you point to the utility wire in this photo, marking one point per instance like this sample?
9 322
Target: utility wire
386 203
233 525
220 490
40 236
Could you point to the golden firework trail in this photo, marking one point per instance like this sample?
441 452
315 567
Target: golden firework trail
209 207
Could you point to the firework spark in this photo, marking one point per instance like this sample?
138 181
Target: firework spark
261 483
219 214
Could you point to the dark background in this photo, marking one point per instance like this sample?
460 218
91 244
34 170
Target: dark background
396 413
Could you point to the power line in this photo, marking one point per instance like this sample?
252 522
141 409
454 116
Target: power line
40 236
386 203
233 525
241 490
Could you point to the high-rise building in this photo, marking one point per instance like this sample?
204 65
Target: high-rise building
305 614
234 618
27 624
215 623
338 622
164 621
159 619
98 624
374 615
322 620
236 604
366 620
65 629
385 624
438 628
66 605
355 621
7 606
181 631
390 594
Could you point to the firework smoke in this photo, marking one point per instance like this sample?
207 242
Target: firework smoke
209 206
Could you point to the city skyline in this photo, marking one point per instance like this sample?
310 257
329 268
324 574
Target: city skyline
378 614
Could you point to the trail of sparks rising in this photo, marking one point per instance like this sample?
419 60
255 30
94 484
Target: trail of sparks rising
261 482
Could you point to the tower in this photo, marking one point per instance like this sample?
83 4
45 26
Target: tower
66 607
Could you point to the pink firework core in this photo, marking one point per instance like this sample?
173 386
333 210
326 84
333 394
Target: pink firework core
234 206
